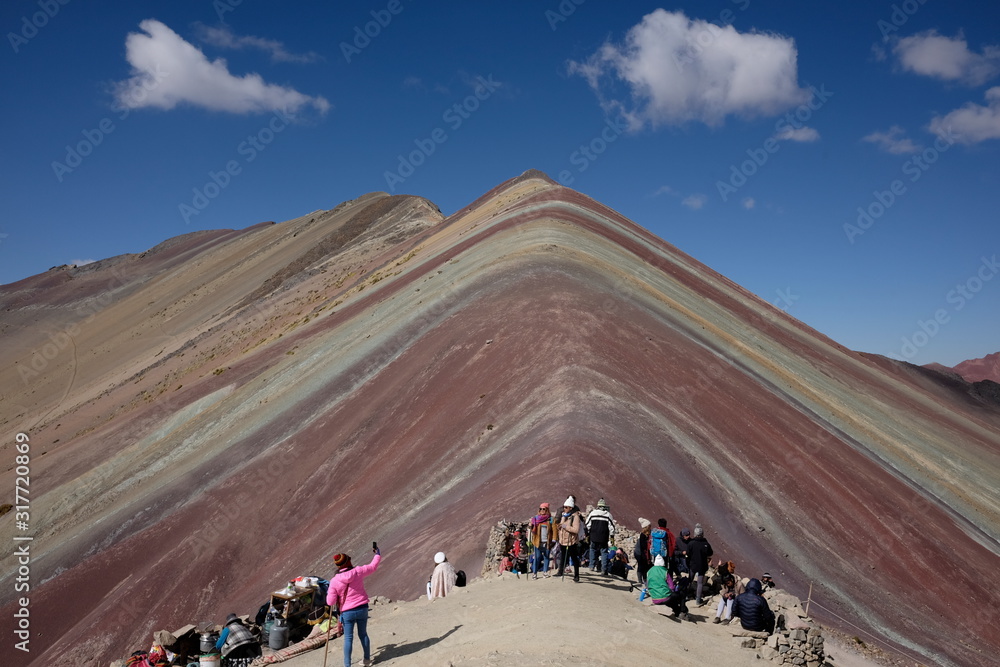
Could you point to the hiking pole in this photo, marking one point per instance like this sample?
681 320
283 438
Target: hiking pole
329 626
562 570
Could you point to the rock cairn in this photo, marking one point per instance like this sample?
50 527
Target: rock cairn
797 639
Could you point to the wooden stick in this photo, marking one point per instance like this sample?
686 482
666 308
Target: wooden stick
329 626
809 599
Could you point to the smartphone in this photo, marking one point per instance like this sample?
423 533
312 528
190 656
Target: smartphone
374 546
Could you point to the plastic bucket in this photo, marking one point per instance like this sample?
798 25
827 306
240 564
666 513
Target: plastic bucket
209 660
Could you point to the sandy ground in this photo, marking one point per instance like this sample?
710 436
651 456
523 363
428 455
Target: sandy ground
547 622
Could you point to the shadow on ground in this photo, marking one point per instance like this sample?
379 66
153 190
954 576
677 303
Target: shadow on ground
390 651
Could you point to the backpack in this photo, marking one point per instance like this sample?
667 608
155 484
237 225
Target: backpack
658 544
460 578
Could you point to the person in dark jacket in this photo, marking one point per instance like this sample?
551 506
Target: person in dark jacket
752 609
699 556
641 552
600 529
681 553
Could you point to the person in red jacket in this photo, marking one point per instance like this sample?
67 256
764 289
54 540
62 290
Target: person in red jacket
347 593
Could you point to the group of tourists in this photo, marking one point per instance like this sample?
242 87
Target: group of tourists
670 569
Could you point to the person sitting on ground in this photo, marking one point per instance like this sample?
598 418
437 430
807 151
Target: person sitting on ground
443 578
752 609
766 582
541 538
727 594
658 581
236 641
619 566
722 570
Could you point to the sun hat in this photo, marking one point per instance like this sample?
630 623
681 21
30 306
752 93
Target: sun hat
439 557
602 504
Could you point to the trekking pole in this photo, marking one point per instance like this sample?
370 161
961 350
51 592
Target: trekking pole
563 554
329 626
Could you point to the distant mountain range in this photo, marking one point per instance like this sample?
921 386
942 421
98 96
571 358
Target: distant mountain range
975 370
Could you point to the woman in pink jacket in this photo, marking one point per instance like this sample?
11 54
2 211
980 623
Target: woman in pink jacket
347 593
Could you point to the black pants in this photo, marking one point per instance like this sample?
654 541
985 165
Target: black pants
571 553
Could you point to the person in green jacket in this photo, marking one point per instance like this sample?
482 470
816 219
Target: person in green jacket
662 589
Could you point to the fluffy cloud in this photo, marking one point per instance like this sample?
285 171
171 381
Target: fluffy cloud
167 71
892 141
801 134
695 201
679 69
972 123
224 38
947 58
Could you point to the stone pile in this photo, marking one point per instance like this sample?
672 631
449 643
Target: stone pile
796 641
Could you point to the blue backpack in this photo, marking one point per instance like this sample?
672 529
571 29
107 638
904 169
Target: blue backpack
658 544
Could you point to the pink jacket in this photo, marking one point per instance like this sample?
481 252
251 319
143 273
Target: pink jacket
347 590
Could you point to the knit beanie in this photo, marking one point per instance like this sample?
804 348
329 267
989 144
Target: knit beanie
439 557
643 523
342 561
698 530
659 561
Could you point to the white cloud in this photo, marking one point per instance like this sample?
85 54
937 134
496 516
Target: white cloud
802 134
892 141
695 201
224 38
947 58
679 69
167 71
972 123
749 203
665 190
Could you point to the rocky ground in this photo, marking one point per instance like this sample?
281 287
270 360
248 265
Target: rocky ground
509 620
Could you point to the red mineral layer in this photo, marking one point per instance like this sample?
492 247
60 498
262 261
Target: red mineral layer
229 409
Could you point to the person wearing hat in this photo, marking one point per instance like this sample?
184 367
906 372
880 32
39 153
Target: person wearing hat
570 524
601 529
347 593
699 556
681 555
663 590
443 578
641 551
236 641
542 535
766 582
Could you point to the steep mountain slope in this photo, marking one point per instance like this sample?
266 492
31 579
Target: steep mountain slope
243 404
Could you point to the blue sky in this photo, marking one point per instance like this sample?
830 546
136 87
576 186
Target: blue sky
840 161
